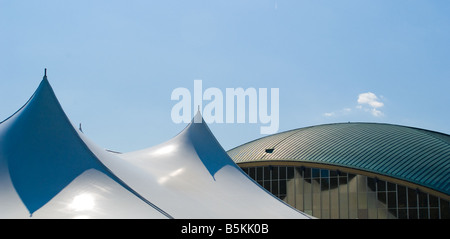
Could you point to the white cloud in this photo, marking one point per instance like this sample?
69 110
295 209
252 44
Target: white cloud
376 113
371 100
367 102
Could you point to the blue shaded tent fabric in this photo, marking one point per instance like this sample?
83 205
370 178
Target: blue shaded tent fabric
203 181
212 155
43 152
49 169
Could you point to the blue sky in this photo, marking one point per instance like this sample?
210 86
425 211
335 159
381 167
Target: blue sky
114 64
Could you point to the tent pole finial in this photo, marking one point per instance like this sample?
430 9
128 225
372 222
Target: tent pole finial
45 71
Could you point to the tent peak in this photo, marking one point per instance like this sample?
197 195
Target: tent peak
45 74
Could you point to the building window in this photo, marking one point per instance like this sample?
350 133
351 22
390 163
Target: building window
336 194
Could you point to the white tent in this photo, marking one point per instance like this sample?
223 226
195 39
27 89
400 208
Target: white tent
49 169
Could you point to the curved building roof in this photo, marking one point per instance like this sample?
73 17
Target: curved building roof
411 154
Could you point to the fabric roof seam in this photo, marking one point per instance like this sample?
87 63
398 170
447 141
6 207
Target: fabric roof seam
26 103
46 84
110 173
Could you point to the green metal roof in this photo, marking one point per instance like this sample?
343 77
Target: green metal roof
411 154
